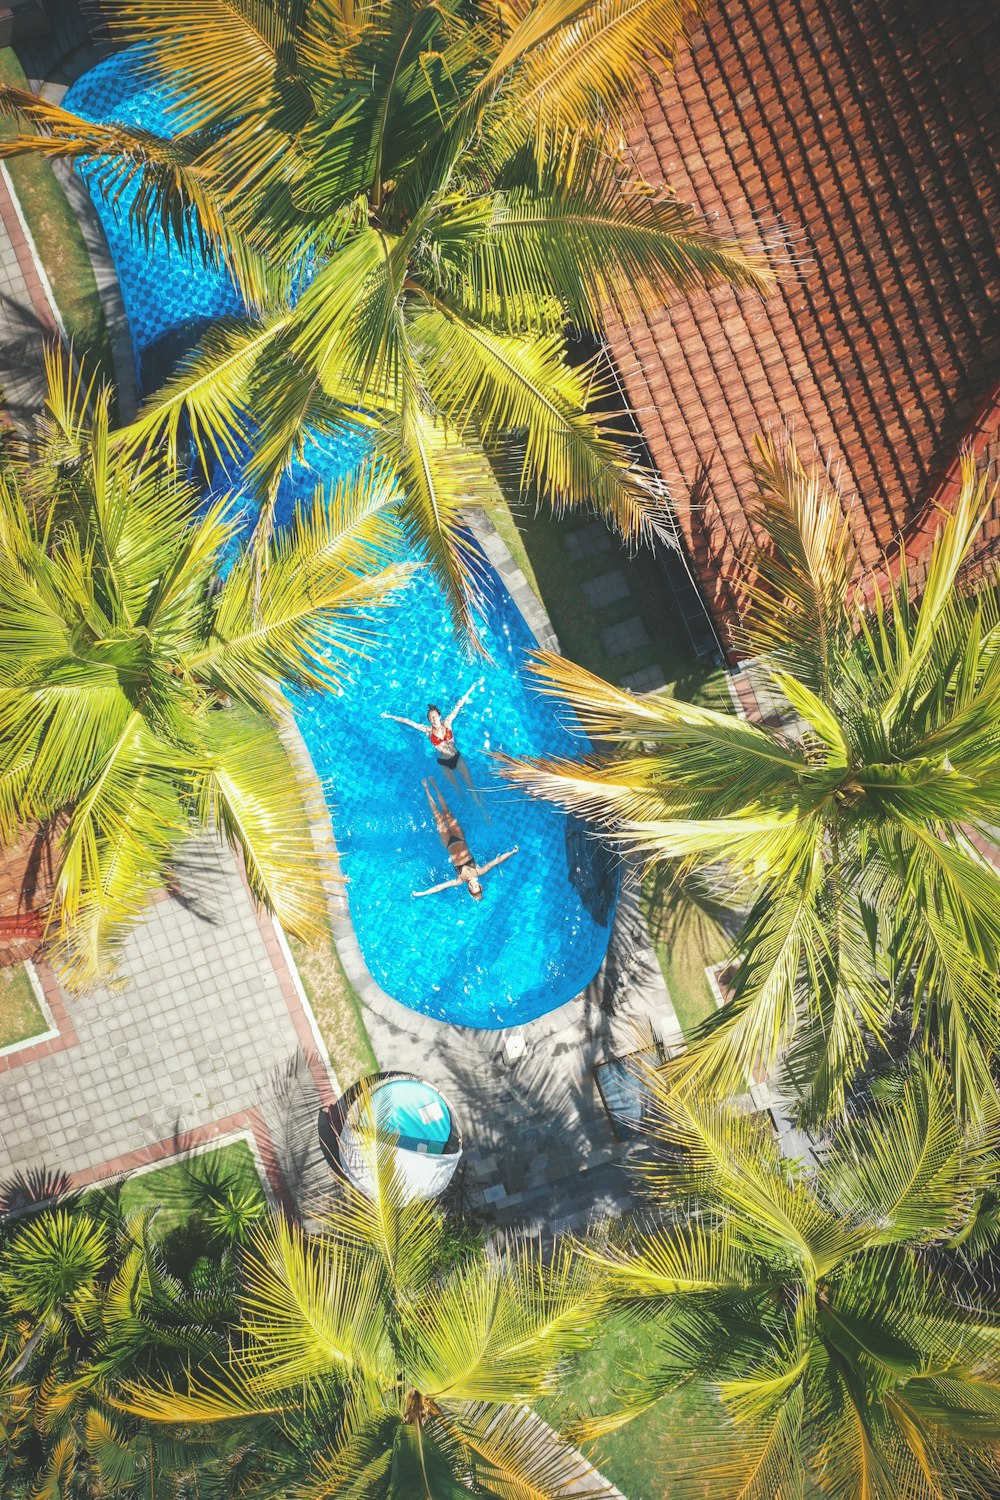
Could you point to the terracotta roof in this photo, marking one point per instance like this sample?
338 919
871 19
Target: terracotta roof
869 129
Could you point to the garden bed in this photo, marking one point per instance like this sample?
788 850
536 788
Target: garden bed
196 1186
58 239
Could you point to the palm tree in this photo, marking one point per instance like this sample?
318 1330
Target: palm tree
830 1316
452 173
138 688
87 1301
367 1372
852 837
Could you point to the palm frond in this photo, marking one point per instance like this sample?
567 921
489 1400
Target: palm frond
296 611
494 1330
234 56
315 1309
496 383
575 60
514 1455
583 236
250 791
800 595
909 1165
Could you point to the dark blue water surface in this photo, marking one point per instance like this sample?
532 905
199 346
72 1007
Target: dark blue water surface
540 933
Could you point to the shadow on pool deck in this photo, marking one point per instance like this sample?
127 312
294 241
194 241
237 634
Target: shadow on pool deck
540 1150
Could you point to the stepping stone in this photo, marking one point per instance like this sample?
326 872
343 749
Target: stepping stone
629 635
646 680
495 1194
588 541
607 588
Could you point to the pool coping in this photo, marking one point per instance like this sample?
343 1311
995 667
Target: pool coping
371 993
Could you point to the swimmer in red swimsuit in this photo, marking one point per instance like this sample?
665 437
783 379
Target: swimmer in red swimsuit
467 871
441 735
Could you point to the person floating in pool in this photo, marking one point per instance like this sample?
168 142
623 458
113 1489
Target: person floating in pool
468 873
441 735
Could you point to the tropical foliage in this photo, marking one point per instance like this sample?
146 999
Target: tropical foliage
89 1298
138 687
831 1314
851 835
368 1372
450 174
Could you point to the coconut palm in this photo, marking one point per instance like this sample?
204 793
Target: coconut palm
452 174
367 1372
852 835
87 1300
15 1413
830 1315
138 688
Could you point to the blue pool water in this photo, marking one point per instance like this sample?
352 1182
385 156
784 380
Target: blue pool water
540 933
415 1113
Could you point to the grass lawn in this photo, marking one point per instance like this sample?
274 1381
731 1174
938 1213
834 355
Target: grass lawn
58 239
20 1014
337 1007
687 938
185 1189
649 1455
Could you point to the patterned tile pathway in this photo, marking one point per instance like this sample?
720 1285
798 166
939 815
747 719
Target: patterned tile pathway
205 1036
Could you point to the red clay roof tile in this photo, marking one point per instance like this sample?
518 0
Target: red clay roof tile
869 129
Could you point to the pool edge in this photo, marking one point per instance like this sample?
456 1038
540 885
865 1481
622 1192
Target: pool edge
372 995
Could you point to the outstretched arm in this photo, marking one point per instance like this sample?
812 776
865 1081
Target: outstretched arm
432 889
410 723
464 700
482 869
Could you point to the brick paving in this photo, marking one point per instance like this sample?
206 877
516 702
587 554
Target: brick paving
205 1033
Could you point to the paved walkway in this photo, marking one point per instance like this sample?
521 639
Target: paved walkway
27 312
540 1151
206 1036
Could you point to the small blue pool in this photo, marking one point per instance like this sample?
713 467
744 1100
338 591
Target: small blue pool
541 931
415 1113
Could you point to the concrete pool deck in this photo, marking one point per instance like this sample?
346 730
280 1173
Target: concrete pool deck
206 1034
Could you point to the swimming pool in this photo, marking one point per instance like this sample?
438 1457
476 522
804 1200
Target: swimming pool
541 931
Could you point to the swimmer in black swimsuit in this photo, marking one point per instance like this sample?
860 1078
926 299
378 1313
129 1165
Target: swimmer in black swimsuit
439 731
467 871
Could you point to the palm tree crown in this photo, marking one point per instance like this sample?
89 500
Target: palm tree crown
832 1315
138 688
852 835
89 1298
417 198
380 1377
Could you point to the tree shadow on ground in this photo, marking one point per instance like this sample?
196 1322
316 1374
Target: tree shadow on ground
36 1188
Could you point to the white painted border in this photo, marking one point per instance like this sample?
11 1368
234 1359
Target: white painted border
300 990
33 249
39 1036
